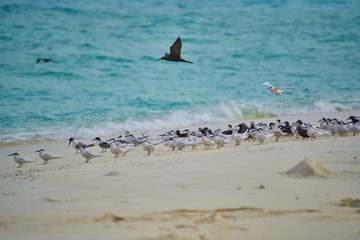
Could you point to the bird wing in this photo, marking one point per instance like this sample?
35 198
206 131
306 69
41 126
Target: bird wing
175 49
267 84
284 88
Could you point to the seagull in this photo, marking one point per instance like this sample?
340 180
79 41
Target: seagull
275 90
76 145
89 155
20 160
46 156
103 145
175 52
45 60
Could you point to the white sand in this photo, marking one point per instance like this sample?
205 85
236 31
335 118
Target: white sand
237 192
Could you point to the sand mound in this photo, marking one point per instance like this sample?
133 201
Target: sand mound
309 168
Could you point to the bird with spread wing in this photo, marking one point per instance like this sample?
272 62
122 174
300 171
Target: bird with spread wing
275 90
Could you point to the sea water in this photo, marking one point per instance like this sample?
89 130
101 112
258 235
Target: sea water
106 78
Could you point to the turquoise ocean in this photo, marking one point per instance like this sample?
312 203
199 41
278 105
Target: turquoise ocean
107 80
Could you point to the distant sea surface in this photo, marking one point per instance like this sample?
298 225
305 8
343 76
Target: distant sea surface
107 80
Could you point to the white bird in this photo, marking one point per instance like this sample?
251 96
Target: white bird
261 136
340 128
275 90
171 143
277 132
237 137
127 149
314 132
134 140
180 144
220 141
20 160
46 156
195 141
355 129
89 155
148 147
207 142
115 149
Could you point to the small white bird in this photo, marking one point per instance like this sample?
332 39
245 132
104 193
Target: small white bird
180 144
207 142
261 136
89 155
148 147
237 137
20 160
46 156
277 132
314 132
355 129
275 90
220 141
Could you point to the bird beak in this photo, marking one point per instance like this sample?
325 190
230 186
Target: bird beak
69 143
37 151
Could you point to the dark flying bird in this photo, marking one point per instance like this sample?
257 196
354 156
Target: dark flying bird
45 60
175 52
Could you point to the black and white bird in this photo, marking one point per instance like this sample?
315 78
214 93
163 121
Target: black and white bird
76 144
101 144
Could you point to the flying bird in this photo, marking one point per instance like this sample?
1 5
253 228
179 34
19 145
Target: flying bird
175 52
275 90
45 60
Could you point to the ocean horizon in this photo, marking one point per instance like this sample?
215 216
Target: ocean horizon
106 78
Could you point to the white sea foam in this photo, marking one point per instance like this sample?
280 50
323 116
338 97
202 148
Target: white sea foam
225 112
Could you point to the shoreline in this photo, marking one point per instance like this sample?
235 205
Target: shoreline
234 192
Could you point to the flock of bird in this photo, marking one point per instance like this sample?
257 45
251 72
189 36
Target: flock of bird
207 137
203 136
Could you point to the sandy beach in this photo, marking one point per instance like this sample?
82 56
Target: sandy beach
236 192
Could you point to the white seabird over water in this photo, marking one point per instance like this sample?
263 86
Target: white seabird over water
275 90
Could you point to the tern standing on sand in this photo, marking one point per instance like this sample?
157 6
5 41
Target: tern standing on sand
89 155
20 160
46 156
